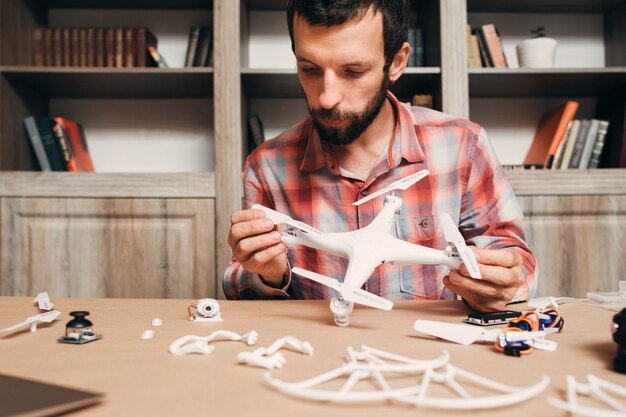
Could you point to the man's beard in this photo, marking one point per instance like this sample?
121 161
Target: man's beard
357 123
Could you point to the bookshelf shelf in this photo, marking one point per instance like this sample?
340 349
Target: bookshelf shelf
542 6
114 83
131 4
558 82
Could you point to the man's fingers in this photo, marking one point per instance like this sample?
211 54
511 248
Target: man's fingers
257 260
248 246
246 215
242 230
497 275
502 257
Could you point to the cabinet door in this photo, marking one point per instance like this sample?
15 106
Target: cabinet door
578 241
109 247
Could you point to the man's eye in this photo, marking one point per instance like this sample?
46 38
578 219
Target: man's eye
309 69
355 74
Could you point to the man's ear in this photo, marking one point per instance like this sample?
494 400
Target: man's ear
400 60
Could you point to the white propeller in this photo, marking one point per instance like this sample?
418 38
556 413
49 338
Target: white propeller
467 334
43 301
280 218
401 184
44 317
543 303
452 235
347 292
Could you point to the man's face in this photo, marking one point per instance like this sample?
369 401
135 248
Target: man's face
341 71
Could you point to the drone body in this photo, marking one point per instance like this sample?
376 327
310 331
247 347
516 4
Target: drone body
371 246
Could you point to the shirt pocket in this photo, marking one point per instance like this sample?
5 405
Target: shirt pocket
421 281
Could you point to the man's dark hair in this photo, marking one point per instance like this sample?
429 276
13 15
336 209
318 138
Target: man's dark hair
336 12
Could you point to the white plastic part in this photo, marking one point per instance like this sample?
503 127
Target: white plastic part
157 322
547 303
147 334
269 357
207 310
401 184
372 365
341 310
596 388
46 317
43 301
467 334
198 344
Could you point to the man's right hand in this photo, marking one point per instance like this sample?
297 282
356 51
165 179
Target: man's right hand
256 244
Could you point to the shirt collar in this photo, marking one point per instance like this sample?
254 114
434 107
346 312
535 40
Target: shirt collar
404 144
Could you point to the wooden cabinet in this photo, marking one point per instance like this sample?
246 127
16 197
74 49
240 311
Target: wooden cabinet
155 243
575 223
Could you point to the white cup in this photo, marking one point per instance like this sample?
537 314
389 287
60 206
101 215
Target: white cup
536 53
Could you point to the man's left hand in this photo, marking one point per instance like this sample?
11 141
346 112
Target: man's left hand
502 274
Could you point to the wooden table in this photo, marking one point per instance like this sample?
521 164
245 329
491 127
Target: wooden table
139 377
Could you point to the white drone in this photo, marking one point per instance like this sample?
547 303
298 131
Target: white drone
371 246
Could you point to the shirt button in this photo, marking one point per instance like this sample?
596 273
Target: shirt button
424 223
365 192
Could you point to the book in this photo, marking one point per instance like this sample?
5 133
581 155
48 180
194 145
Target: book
63 141
484 56
569 146
57 45
419 47
145 40
550 131
78 150
203 51
493 46
580 143
422 100
91 47
558 156
75 46
613 109
100 48
118 43
82 46
35 140
192 45
50 144
67 47
130 48
590 139
38 46
596 152
157 57
48 47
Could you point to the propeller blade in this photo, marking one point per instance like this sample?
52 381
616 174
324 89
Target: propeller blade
280 218
453 236
43 301
45 317
401 184
348 293
458 333
543 303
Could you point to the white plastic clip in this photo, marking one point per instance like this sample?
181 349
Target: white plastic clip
269 357
199 344
43 301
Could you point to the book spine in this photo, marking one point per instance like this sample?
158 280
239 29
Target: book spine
118 39
91 47
569 146
492 41
603 127
64 143
109 47
75 55
48 48
38 46
50 144
130 48
57 55
555 162
100 51
67 47
482 47
585 157
36 142
580 143
82 48
192 45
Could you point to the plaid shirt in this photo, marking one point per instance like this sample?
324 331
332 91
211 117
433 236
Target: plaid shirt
299 175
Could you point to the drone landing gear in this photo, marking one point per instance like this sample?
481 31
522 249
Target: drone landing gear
341 311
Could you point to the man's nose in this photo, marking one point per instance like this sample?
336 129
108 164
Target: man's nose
331 94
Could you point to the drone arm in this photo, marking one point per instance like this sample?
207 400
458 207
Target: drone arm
328 242
405 253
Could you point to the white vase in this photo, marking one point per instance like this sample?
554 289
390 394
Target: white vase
536 53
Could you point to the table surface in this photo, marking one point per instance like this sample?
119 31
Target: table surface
140 377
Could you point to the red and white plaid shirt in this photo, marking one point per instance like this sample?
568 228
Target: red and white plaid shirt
297 174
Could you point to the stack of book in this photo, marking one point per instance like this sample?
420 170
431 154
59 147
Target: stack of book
119 47
200 47
59 144
416 40
562 142
484 47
